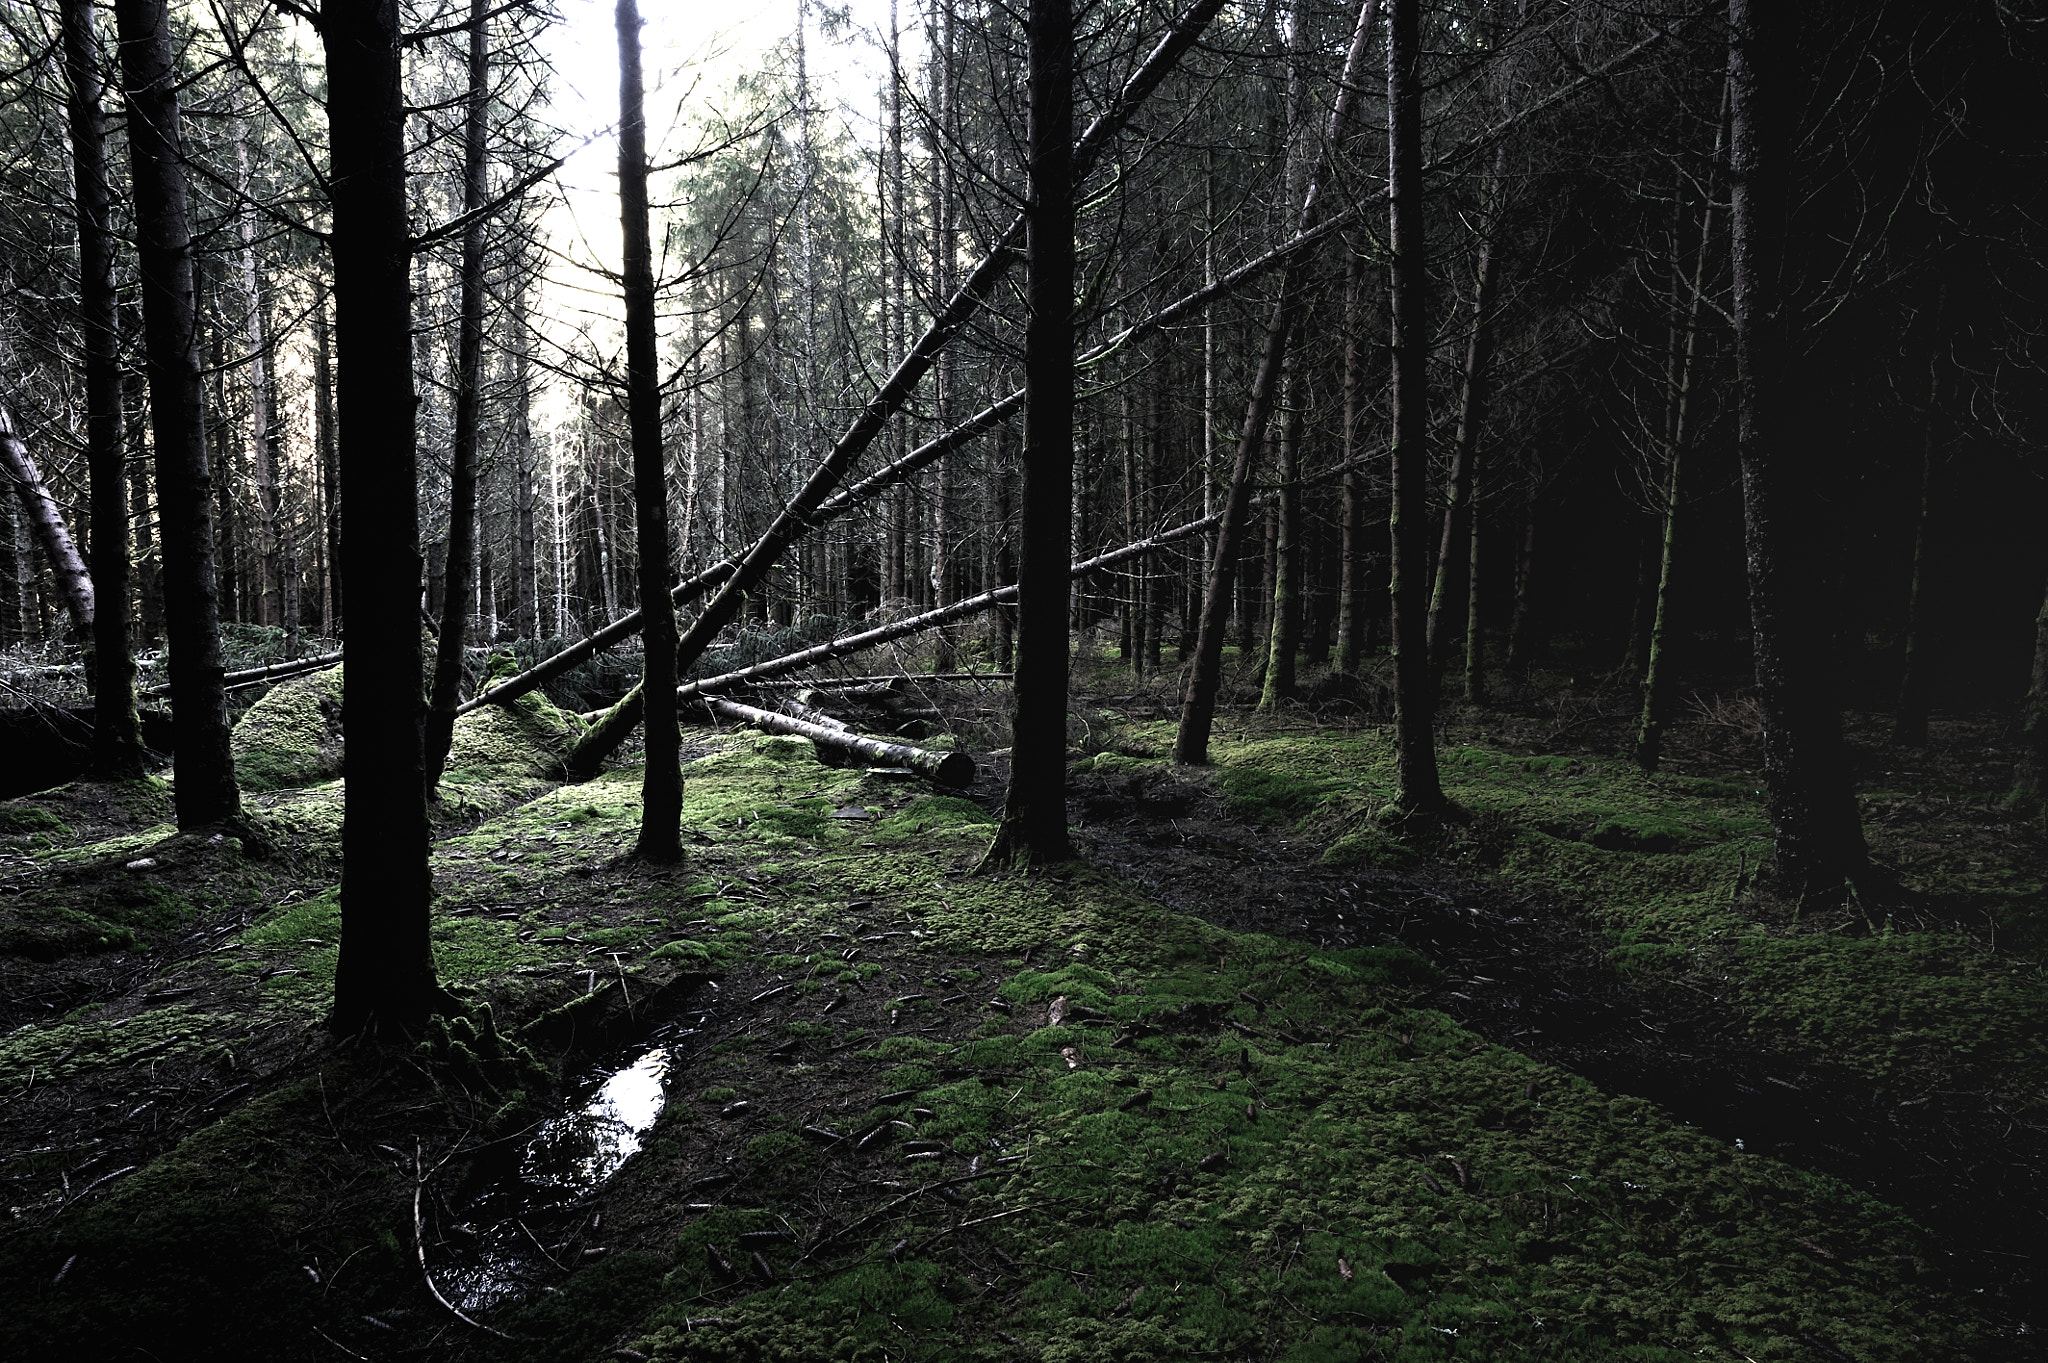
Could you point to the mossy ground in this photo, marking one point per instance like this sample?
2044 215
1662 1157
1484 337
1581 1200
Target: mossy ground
1227 1144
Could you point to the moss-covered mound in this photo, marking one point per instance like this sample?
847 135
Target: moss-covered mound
291 737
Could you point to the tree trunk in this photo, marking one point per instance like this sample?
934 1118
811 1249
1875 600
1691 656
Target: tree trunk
1034 822
385 977
324 449
526 558
1198 702
661 782
1414 691
39 508
460 570
1459 542
205 788
1285 639
1817 836
116 729
261 445
1352 605
1522 623
2030 773
954 769
141 511
1916 688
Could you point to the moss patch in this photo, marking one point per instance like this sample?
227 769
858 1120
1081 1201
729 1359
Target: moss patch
292 736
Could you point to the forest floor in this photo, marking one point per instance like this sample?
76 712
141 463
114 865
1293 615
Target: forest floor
1260 1077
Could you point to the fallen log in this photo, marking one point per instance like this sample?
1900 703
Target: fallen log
74 583
275 671
946 768
917 624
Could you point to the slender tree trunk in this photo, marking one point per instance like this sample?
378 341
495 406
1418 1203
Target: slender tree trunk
141 511
1457 549
1285 639
1658 672
1352 604
661 783
1034 823
385 977
1198 702
324 450
116 729
261 443
1916 688
1817 836
39 509
2030 773
469 376
205 788
1414 690
526 564
1525 572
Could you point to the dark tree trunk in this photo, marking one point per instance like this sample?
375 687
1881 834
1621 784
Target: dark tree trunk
1285 639
1198 702
1817 836
1523 623
324 448
1353 605
385 977
1034 822
2030 773
459 586
1408 529
116 729
1916 688
661 782
205 787
1459 546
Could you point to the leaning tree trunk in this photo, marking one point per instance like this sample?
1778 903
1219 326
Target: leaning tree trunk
1418 788
1817 838
116 728
1034 822
205 788
385 977
46 522
1198 700
661 782
469 374
1454 584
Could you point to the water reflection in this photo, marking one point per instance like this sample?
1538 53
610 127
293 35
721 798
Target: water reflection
577 1151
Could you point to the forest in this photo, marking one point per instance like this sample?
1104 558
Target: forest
1288 681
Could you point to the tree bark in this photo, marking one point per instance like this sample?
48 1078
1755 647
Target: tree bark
324 449
2030 773
1817 836
946 768
39 508
205 789
1198 701
1284 641
459 584
1352 606
385 977
116 728
266 591
1418 788
661 782
141 510
1034 821
1459 547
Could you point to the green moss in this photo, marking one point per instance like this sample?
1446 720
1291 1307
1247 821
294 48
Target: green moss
65 1049
19 816
292 736
1369 848
1265 795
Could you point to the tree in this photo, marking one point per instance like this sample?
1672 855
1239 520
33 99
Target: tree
385 975
205 790
1417 786
1817 839
469 375
661 784
1034 823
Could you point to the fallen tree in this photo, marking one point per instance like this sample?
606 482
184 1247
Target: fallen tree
946 768
274 672
74 583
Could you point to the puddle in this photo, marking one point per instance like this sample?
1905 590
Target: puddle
524 1232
